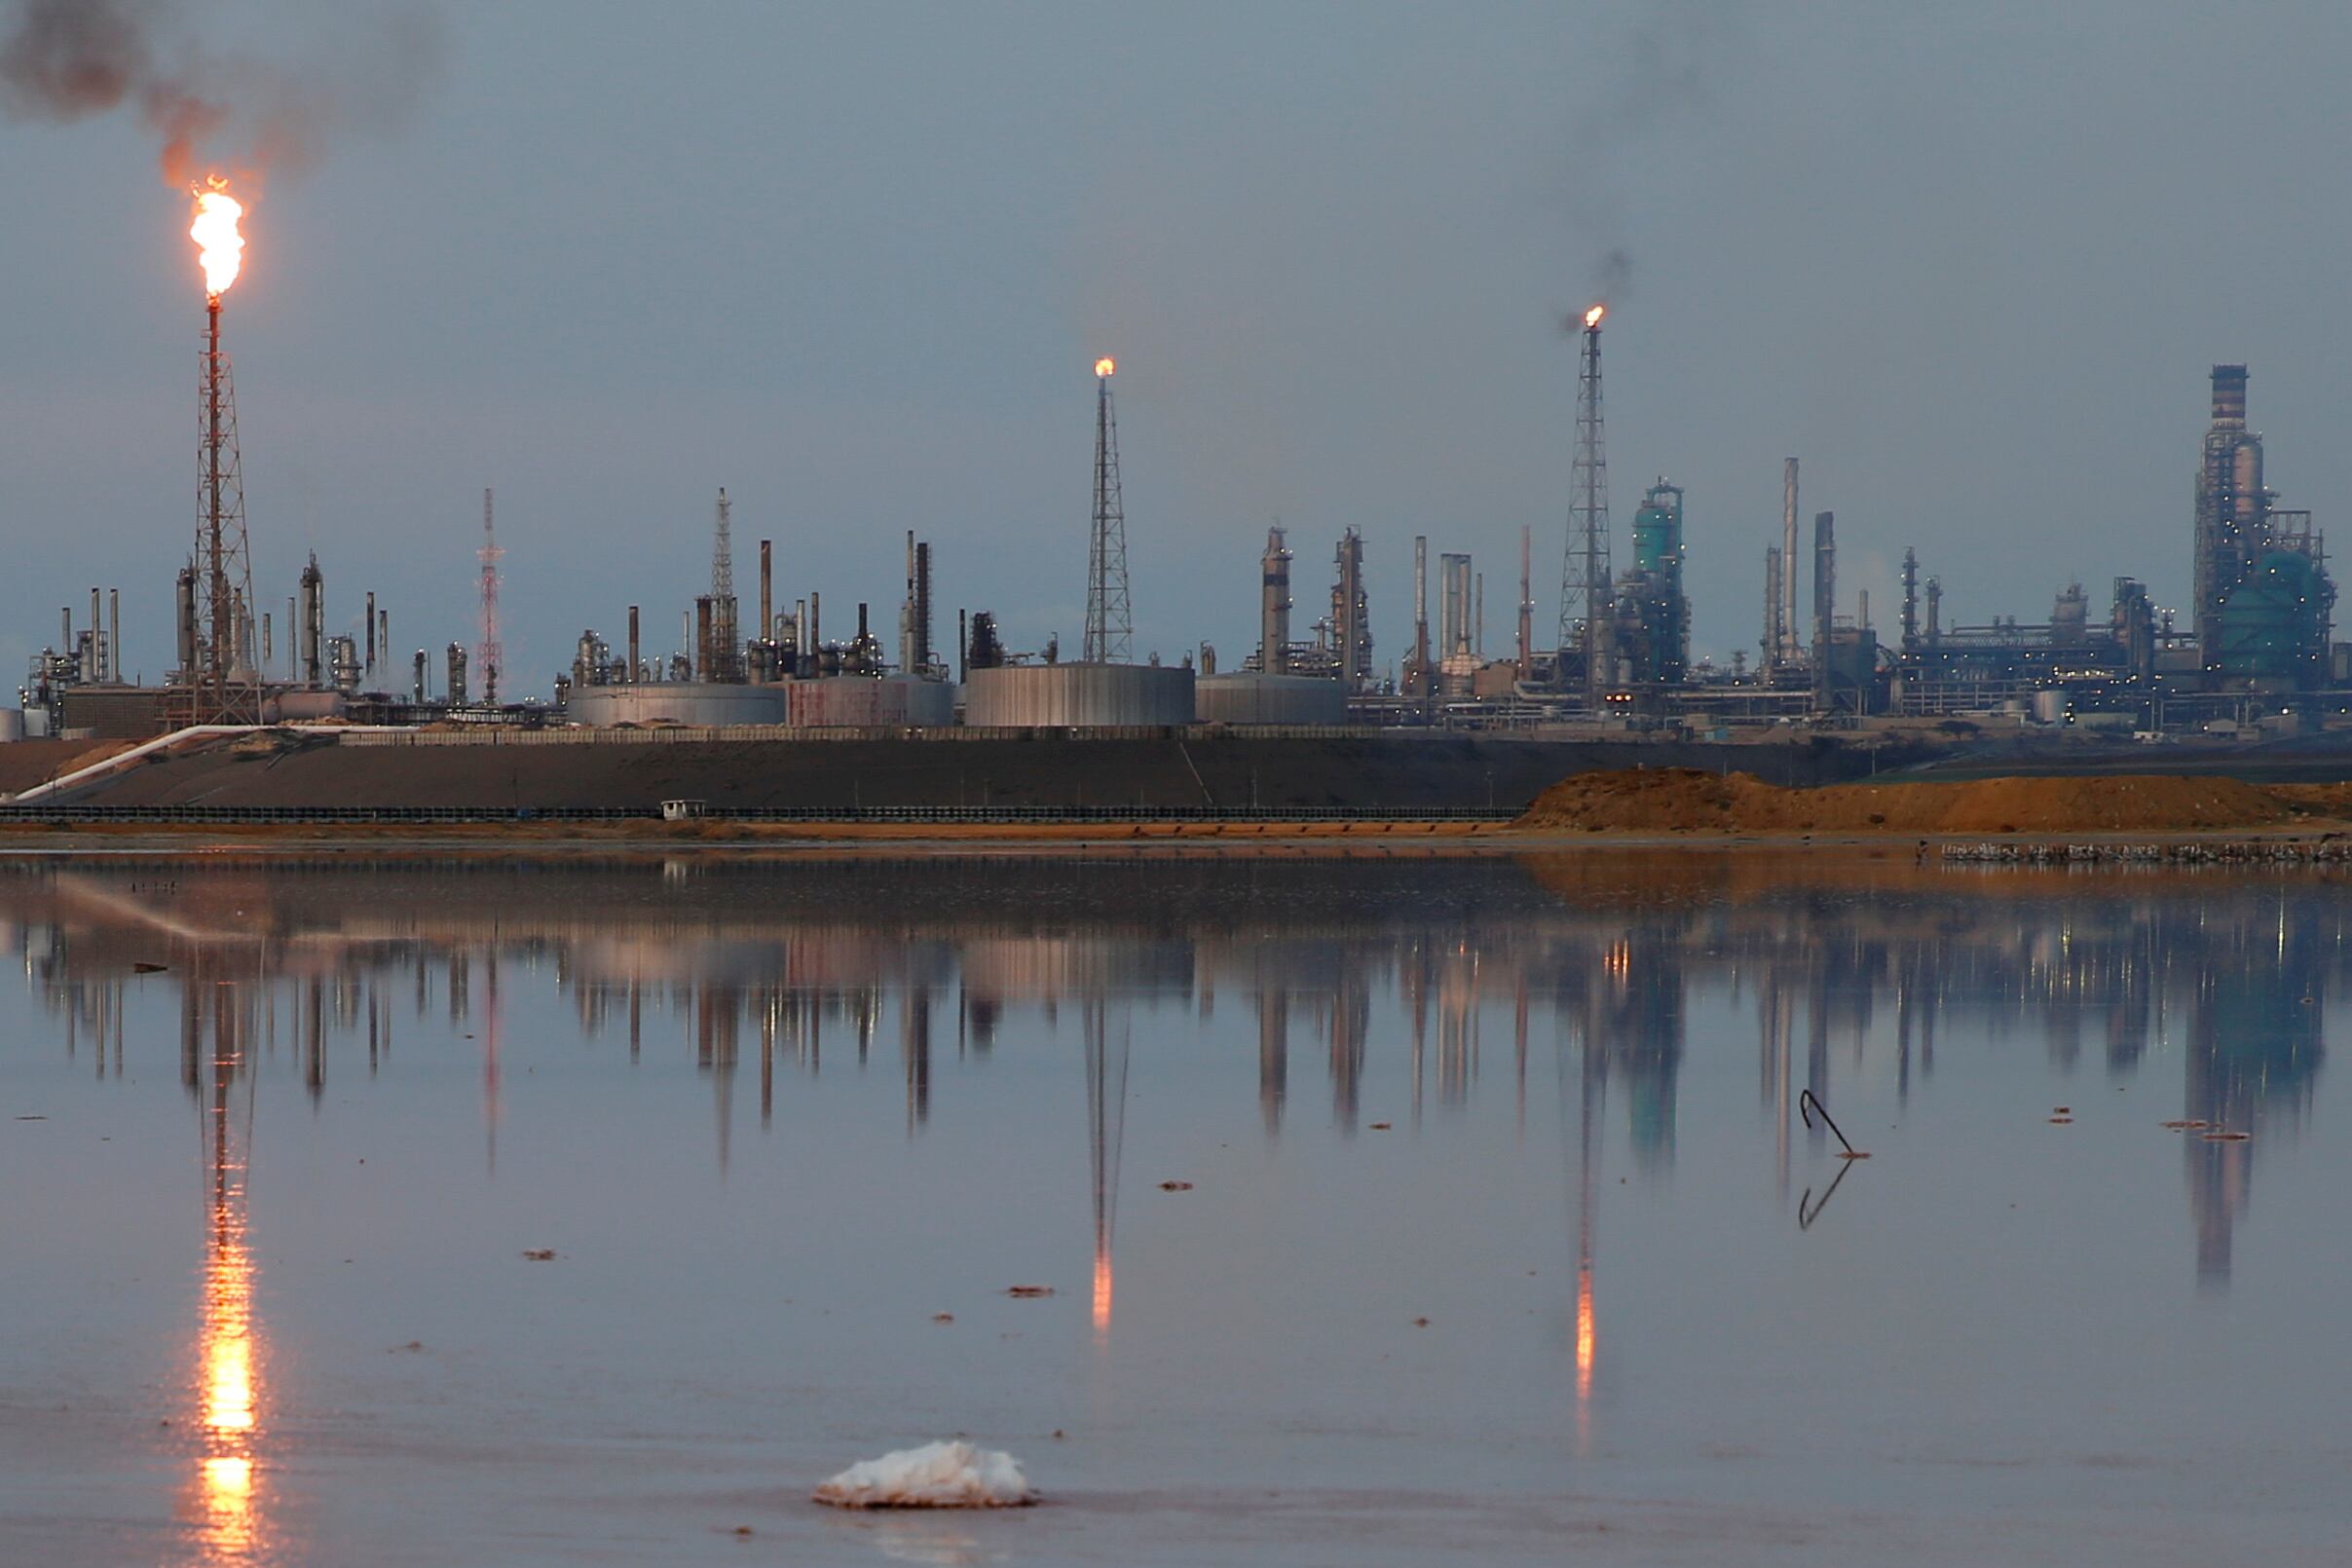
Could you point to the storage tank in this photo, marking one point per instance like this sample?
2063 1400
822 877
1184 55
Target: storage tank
680 702
1251 699
12 724
1064 696
891 701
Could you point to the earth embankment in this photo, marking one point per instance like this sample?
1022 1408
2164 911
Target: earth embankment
1681 799
1380 771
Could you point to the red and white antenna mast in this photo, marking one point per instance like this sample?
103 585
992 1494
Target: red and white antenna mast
491 656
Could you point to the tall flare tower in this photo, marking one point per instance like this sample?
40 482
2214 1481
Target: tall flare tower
727 646
223 686
1585 601
1109 618
492 651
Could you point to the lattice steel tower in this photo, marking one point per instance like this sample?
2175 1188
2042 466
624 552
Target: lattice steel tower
1585 601
493 653
224 687
1110 618
726 656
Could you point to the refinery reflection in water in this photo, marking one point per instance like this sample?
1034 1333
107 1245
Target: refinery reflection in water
213 1066
1599 955
1373 1009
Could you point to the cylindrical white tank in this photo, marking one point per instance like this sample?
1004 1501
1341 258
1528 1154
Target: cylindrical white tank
11 724
892 701
1065 695
1248 698
680 702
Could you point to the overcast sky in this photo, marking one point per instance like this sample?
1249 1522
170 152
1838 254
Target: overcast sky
855 262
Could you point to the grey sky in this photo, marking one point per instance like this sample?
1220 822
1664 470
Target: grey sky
854 262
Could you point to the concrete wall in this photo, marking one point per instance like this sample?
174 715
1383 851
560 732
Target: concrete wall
1058 695
893 701
686 702
1248 698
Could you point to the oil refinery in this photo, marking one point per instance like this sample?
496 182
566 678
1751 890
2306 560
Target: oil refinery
2255 659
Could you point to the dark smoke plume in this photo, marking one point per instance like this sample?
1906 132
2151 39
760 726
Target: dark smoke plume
1664 61
62 61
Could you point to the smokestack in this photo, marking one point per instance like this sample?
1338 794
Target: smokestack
184 622
1862 615
1774 644
1526 605
816 608
2230 398
1479 620
313 625
923 606
963 645
114 635
636 666
417 694
294 638
1911 599
1935 611
1789 562
370 665
702 638
1825 599
1274 604
98 639
383 641
767 616
268 649
1421 611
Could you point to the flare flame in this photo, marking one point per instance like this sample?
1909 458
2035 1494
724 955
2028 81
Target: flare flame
220 249
1593 316
1104 367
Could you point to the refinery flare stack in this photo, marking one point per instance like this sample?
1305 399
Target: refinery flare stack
2254 653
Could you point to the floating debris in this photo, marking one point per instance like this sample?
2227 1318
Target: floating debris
1380 1127
1176 1187
2062 1121
935 1476
943 1317
540 1254
1028 1293
2180 1126
2227 1138
144 968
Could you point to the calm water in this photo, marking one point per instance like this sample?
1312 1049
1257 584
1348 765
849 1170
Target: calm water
1504 1238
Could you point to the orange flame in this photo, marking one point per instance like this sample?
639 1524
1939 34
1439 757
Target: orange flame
1587 1334
220 249
1593 316
1105 366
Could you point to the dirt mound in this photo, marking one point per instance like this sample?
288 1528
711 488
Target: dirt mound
1681 799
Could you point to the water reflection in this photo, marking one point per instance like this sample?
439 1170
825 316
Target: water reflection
224 1503
1847 968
